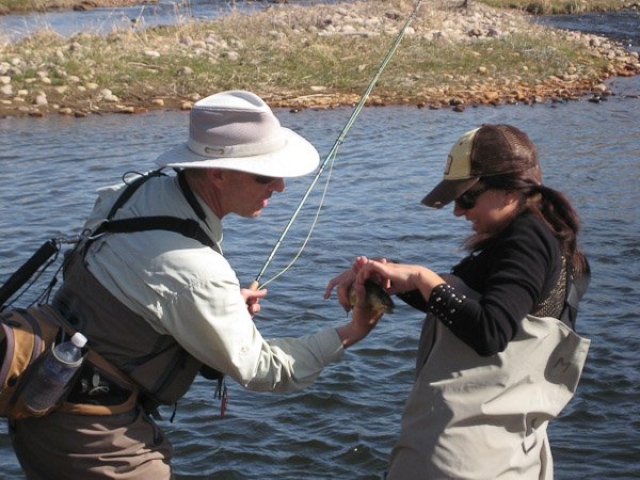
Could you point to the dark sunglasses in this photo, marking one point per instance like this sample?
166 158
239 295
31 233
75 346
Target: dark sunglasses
263 180
467 200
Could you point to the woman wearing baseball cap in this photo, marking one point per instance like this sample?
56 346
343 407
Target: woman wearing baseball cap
498 355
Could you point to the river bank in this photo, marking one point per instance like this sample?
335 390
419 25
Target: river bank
317 56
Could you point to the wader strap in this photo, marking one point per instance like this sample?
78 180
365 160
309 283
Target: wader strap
187 227
130 190
191 198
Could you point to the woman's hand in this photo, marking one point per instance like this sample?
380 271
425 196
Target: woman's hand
400 277
344 282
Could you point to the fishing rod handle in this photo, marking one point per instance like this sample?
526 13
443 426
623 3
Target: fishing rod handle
26 271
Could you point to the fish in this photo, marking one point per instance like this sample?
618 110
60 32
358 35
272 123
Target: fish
376 297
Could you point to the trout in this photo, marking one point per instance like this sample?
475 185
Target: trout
376 297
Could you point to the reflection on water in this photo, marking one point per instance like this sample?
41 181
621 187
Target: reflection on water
344 426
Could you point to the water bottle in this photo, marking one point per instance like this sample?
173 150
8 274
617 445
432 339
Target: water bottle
46 388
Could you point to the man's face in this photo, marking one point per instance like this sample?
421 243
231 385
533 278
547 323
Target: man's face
246 194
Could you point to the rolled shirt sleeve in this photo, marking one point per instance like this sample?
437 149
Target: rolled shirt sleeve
209 317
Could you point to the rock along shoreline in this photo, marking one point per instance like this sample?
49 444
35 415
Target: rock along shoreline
40 95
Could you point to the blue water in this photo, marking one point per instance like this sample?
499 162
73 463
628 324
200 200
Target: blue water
344 426
146 14
622 26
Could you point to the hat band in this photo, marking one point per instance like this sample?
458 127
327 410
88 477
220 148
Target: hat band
241 150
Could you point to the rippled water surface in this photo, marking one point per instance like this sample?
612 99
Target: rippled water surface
622 26
146 14
344 426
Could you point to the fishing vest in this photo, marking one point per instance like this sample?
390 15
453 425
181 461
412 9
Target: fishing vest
162 369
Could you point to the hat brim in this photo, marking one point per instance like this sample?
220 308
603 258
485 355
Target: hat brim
447 191
298 157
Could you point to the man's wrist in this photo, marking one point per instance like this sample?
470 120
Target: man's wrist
350 334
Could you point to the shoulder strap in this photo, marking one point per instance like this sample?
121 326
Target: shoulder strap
191 198
131 189
187 227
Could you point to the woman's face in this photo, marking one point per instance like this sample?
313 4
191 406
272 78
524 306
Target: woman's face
488 209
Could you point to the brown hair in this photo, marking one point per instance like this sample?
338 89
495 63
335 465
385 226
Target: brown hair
550 205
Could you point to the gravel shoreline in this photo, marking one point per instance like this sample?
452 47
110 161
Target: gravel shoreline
40 95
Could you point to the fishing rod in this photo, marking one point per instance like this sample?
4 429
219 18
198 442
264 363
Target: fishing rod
331 155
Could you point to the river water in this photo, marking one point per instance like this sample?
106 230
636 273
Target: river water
623 25
343 427
105 20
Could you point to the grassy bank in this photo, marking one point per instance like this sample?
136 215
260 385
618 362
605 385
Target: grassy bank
311 56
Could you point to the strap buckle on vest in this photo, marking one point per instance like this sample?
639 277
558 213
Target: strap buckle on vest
99 231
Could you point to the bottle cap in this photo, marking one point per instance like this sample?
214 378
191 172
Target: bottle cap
79 340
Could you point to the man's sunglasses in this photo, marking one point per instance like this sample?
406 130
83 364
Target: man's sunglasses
467 200
263 180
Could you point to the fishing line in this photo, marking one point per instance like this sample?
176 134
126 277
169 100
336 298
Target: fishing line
308 237
329 159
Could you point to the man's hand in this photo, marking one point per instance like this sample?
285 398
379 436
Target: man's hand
345 280
252 297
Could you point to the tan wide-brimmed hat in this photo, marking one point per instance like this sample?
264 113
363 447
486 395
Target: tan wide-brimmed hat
236 130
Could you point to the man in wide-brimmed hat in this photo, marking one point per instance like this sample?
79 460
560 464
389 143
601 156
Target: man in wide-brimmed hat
154 295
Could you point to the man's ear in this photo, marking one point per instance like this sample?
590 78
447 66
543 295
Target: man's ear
215 175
